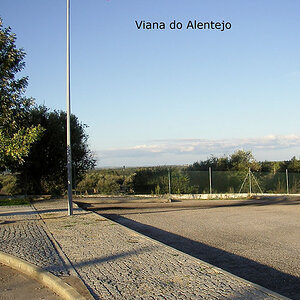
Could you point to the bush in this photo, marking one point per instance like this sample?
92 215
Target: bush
105 182
108 184
88 184
156 181
9 184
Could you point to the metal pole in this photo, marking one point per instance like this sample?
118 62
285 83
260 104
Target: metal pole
74 180
68 98
209 173
287 180
250 187
169 175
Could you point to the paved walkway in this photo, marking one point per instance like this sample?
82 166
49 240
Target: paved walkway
15 285
114 262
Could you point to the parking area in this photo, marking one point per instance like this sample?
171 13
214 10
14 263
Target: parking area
256 239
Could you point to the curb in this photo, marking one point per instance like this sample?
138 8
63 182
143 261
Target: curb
62 255
54 283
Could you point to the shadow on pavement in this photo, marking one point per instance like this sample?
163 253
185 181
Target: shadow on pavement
262 201
153 208
203 204
39 212
103 259
258 273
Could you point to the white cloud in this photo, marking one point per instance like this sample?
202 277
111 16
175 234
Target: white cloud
180 151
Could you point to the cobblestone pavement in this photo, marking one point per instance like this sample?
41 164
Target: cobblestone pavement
23 234
255 239
116 262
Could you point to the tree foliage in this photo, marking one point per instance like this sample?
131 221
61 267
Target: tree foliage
243 160
8 184
106 182
15 138
238 161
156 181
44 170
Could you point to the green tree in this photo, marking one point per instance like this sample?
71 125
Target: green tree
15 138
44 170
88 184
294 165
271 166
216 163
156 180
243 160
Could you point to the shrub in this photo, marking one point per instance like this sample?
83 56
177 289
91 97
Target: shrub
9 185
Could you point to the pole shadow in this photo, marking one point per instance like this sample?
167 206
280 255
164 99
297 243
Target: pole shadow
268 277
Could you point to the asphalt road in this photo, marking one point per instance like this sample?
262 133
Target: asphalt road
258 240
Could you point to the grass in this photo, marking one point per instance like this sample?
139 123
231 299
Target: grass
14 201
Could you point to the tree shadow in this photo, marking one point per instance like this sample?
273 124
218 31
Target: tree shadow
152 208
38 212
268 277
263 201
27 213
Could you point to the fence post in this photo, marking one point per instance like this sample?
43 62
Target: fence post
250 187
209 174
287 180
169 175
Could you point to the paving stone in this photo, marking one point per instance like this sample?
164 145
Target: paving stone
23 234
113 261
118 263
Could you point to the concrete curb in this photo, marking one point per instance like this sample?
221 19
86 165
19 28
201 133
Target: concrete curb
54 283
228 196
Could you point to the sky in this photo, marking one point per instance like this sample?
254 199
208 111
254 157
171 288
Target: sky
168 96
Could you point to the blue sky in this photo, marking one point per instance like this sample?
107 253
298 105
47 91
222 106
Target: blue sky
155 97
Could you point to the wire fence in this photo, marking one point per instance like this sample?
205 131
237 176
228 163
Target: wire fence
164 180
172 180
208 182
217 182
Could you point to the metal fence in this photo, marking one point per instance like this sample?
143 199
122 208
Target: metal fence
175 180
216 182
